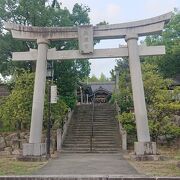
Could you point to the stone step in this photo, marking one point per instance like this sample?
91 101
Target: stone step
86 138
107 129
95 121
95 150
88 142
81 132
74 130
88 145
99 137
94 140
106 133
111 125
89 151
105 117
95 134
95 116
90 130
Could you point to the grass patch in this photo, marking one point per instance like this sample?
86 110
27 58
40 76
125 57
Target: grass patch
11 166
160 168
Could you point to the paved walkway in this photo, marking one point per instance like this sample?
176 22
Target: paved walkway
88 164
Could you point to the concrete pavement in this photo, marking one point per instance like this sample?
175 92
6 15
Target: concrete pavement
88 164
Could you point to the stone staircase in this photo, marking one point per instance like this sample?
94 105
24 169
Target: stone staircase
106 136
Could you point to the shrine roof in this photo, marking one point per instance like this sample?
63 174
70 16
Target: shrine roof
109 86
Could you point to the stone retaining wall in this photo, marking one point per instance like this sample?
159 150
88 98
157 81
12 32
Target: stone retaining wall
11 143
4 90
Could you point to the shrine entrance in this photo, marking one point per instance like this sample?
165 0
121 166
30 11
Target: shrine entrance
86 36
102 95
99 92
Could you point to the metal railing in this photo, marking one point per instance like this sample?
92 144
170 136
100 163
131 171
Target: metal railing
92 126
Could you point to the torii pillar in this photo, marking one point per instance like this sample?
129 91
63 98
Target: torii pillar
38 97
35 147
144 144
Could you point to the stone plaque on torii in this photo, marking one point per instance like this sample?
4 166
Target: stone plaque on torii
85 36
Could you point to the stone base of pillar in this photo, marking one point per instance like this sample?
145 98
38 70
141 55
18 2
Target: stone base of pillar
145 148
34 149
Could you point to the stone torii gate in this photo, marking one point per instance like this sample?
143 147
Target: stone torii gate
85 36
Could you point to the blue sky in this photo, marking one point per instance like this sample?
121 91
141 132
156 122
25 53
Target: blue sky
118 11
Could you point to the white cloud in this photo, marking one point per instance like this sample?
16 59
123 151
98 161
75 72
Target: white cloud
113 10
159 7
96 17
111 13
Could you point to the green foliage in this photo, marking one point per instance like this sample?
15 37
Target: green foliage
80 14
154 83
15 111
162 104
70 100
124 96
161 115
93 78
168 64
102 78
44 13
128 122
58 113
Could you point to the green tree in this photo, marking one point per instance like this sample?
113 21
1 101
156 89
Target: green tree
43 13
124 96
128 122
168 64
15 111
93 78
161 105
102 78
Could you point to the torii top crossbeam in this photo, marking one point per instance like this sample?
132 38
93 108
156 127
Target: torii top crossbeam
85 36
141 28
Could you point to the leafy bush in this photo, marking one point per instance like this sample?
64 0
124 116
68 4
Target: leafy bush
128 122
58 114
161 103
15 110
